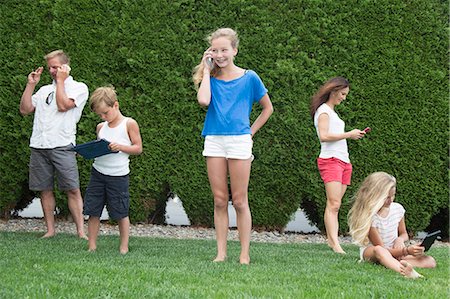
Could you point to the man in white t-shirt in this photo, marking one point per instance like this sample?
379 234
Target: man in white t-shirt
57 109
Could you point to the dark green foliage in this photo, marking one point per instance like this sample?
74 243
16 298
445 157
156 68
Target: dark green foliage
392 51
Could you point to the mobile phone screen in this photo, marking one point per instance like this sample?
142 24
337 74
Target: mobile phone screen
429 239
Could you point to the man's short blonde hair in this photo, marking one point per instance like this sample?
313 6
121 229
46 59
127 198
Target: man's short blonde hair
63 57
105 94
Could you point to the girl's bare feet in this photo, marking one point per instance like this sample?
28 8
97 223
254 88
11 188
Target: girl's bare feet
244 260
123 250
220 259
337 248
48 235
407 270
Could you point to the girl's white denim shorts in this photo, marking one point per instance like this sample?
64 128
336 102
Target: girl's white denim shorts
361 254
229 146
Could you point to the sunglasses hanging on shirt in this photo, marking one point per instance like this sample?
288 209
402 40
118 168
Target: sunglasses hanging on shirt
49 98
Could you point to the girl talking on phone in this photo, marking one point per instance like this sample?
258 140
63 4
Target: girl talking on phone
229 92
377 224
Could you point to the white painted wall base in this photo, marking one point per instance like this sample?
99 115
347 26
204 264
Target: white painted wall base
175 215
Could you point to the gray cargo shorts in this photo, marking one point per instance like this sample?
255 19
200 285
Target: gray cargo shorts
46 163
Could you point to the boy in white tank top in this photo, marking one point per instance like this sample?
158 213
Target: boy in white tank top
109 180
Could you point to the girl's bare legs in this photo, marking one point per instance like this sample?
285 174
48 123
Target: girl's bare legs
239 178
423 261
384 257
218 179
124 230
335 191
93 227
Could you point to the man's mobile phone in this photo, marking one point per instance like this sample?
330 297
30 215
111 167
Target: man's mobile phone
367 130
429 239
67 66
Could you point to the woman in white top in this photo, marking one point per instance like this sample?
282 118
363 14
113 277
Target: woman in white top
377 224
333 162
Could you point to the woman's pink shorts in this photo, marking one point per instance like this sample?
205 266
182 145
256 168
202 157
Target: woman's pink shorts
334 170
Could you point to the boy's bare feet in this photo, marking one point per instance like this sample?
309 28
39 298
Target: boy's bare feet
407 270
82 236
92 249
123 250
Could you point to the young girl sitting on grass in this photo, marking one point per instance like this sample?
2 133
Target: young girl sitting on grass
377 224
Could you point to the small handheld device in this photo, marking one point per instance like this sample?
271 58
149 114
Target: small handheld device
210 62
67 66
93 149
367 130
429 239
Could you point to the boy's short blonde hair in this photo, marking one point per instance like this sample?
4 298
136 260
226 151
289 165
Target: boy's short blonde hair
105 94
63 57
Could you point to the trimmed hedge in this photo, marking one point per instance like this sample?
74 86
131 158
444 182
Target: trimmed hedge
392 51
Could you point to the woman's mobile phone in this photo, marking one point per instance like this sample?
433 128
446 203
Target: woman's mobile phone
367 130
210 62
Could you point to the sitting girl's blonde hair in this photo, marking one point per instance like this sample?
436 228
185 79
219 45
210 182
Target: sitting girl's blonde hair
369 199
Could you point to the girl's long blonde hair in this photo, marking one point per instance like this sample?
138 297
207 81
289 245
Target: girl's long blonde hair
197 73
368 200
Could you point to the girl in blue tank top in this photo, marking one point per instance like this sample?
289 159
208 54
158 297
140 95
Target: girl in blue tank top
229 92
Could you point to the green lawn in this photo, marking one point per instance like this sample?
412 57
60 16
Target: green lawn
61 267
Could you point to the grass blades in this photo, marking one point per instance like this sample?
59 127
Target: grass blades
61 267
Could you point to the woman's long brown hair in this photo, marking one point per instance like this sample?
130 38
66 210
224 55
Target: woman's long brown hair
323 94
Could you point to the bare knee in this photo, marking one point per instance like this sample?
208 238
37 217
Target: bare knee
240 205
124 222
379 252
240 201
333 205
74 194
46 195
220 201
